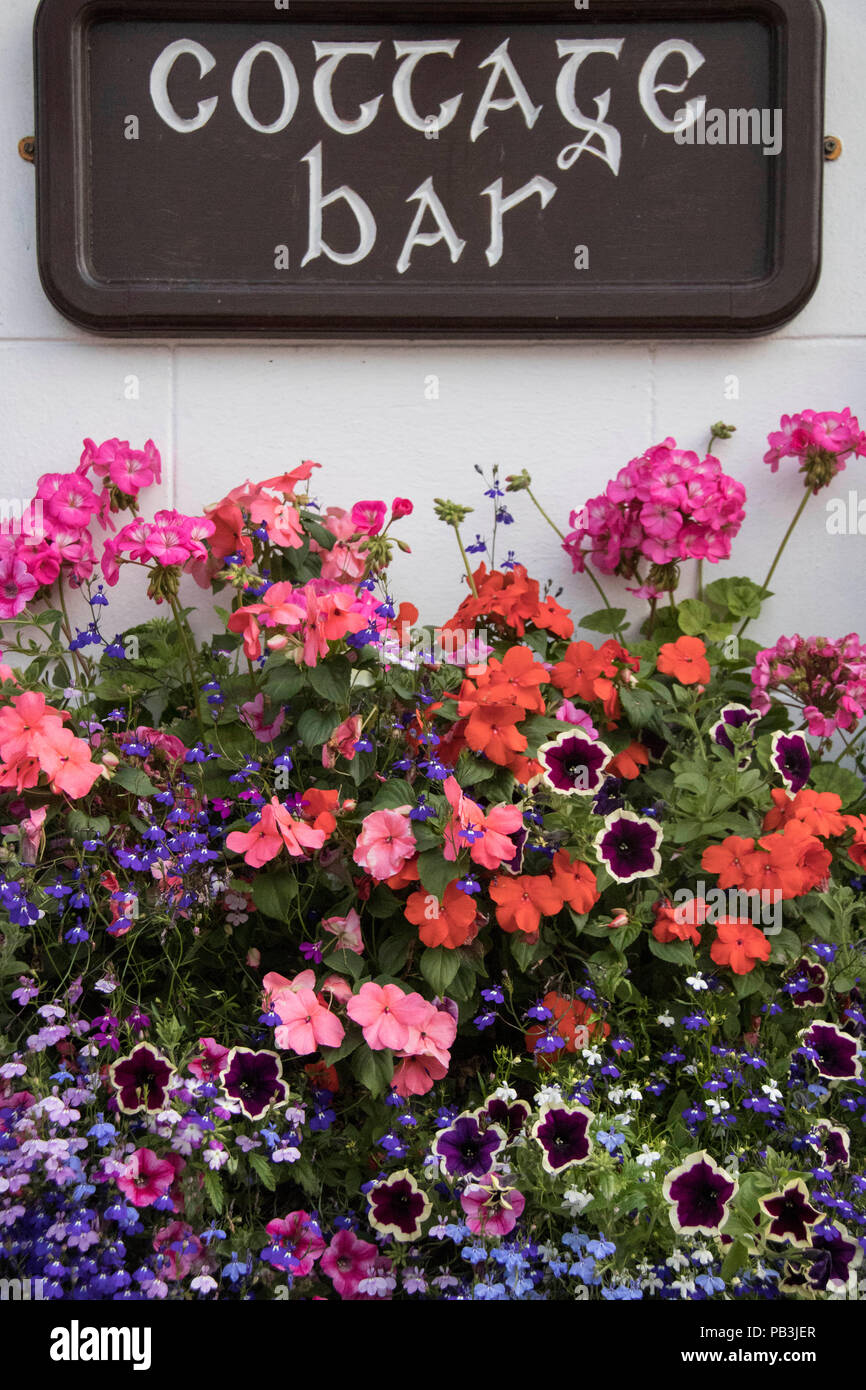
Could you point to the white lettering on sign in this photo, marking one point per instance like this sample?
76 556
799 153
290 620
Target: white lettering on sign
499 206
649 86
334 53
500 61
241 87
577 51
411 53
316 244
159 85
429 201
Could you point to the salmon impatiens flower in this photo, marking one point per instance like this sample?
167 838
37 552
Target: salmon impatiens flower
385 843
739 944
306 1023
685 660
276 829
387 1016
485 834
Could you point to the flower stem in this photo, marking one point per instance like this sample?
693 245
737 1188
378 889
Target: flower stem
587 571
183 633
788 534
466 564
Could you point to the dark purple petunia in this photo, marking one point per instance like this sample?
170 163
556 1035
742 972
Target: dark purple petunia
254 1079
509 1117
468 1150
836 1143
398 1207
835 1052
700 1193
141 1079
574 764
807 987
791 759
514 865
562 1132
733 717
628 846
833 1256
791 1213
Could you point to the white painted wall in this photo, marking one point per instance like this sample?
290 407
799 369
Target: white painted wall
571 414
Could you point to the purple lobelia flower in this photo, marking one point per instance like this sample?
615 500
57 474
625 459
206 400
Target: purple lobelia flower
833 1255
807 987
562 1133
836 1143
628 846
791 759
141 1079
468 1150
254 1079
733 717
835 1052
791 1214
700 1194
398 1207
574 764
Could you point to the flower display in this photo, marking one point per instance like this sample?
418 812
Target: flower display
338 964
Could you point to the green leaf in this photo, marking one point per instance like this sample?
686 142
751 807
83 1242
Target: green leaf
264 1170
828 777
373 1069
315 727
354 1037
472 771
345 962
383 902
330 679
439 967
82 827
395 792
526 953
214 1189
284 681
740 597
134 780
272 893
436 872
640 707
693 617
736 1259
604 620
675 952
393 953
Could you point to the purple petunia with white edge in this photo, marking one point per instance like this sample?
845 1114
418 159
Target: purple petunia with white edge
834 1052
792 760
398 1207
700 1194
141 1079
574 764
562 1132
791 1214
628 846
254 1079
733 717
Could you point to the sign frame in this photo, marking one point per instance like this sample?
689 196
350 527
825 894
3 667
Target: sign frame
381 311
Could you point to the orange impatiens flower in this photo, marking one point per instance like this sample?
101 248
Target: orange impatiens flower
739 944
573 1020
628 763
685 660
491 729
679 923
522 901
727 860
819 812
451 923
575 881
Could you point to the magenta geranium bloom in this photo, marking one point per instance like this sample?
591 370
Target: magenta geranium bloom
791 1214
700 1194
398 1207
574 764
347 1261
628 846
791 759
833 1052
254 1079
146 1178
468 1150
562 1133
141 1079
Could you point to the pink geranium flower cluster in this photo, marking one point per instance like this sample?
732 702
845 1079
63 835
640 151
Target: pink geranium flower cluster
821 440
171 541
665 507
52 537
34 739
827 678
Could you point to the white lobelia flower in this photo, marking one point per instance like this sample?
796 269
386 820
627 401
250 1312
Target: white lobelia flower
647 1156
575 1201
697 981
666 1020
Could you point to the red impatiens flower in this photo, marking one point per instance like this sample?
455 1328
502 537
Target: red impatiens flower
522 901
685 660
739 944
451 923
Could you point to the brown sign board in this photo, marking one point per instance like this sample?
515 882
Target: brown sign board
429 167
